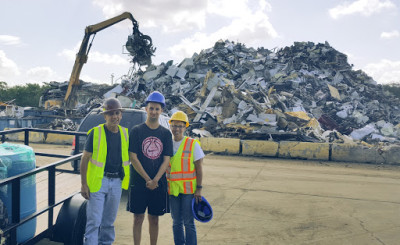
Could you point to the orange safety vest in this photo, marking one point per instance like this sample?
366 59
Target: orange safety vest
181 173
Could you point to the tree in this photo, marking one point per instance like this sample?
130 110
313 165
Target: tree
393 88
3 85
26 95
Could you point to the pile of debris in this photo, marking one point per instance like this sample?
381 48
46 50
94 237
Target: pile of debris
306 92
89 96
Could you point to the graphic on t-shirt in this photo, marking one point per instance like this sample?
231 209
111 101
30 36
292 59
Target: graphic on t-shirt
152 147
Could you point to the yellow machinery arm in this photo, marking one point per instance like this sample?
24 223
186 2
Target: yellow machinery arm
138 45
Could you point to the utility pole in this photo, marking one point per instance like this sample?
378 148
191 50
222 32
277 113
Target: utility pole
112 78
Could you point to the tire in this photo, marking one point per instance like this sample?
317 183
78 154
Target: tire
71 221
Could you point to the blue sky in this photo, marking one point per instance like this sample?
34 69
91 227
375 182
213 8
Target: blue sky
39 38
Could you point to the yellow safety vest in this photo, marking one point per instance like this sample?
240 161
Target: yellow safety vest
95 171
181 173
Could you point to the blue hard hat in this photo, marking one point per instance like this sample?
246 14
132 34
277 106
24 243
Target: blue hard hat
202 210
156 97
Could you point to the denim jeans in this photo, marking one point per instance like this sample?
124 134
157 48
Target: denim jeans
181 212
101 212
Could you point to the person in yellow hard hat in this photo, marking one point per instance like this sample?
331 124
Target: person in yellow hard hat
104 170
185 177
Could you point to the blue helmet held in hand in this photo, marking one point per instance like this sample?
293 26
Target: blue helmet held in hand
156 97
202 210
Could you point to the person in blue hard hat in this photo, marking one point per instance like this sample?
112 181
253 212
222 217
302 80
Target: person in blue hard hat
150 149
185 177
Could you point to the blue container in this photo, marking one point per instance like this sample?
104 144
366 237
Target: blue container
17 159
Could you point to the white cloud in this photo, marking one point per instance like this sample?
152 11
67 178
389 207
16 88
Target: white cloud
95 56
230 8
385 71
8 68
246 26
41 74
390 35
90 79
363 7
237 8
107 59
68 53
9 40
178 15
167 14
110 8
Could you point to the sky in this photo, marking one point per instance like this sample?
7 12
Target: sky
40 38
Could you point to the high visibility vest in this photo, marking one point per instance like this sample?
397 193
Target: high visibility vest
181 173
95 171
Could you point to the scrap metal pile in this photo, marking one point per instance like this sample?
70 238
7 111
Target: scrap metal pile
305 92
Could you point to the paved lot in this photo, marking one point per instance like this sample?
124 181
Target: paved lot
275 201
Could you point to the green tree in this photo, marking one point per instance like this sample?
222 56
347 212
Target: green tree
393 88
3 91
3 85
25 95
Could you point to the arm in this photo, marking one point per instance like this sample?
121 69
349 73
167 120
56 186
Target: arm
138 166
163 168
199 176
161 171
86 156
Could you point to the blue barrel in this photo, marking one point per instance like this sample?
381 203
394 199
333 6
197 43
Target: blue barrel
17 159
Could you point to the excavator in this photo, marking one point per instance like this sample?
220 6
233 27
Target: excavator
139 46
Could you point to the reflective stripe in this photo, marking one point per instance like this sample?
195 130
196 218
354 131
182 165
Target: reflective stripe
182 176
125 135
98 142
187 187
190 155
183 155
97 163
186 154
126 139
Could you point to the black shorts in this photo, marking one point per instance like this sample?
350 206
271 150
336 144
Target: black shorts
141 198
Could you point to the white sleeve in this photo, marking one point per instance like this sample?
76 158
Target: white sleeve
198 152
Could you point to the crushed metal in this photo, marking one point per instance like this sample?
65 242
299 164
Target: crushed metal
305 92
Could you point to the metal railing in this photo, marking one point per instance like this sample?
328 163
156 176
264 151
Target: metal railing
15 182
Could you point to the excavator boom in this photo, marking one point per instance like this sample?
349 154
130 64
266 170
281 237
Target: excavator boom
139 46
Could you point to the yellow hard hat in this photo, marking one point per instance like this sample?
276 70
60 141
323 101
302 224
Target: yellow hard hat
179 116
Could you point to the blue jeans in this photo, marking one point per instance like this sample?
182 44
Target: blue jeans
101 212
181 212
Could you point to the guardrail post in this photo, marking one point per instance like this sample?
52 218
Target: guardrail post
76 151
15 203
26 139
52 193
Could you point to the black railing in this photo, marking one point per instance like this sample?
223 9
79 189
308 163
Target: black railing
15 182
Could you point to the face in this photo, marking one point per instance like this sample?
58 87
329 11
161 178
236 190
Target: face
177 129
113 118
153 110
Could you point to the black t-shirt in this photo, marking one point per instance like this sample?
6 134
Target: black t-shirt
150 146
114 158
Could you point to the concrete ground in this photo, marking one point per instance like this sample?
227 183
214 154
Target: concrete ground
276 201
